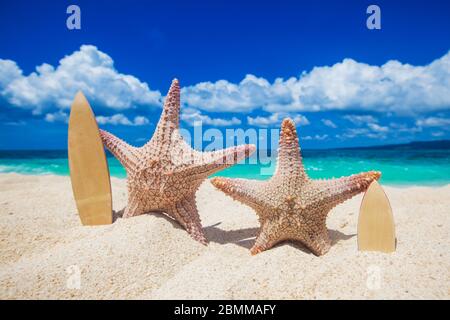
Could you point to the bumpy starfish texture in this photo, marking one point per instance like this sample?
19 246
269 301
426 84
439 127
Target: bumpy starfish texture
165 173
290 205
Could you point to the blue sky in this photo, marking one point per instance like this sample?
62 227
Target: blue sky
243 65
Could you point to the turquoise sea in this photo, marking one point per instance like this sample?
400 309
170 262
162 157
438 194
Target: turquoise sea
412 164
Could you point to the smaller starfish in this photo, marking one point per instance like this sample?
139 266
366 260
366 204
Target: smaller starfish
290 205
165 173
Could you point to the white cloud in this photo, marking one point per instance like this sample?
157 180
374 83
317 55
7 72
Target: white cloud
58 116
9 71
355 132
275 119
120 119
373 131
378 135
437 134
347 85
394 87
117 119
88 70
401 127
193 116
329 123
249 94
360 119
378 128
433 122
315 137
367 125
140 121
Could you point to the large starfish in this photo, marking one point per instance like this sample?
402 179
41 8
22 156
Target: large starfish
165 173
290 205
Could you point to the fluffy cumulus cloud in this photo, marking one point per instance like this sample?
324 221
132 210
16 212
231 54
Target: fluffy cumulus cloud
275 119
120 119
57 117
348 85
250 94
359 90
193 117
9 71
88 70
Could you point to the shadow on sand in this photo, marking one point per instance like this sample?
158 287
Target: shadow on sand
246 237
241 237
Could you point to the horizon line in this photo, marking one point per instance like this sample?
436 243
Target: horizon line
445 141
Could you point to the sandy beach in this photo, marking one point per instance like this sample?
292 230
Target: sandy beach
44 246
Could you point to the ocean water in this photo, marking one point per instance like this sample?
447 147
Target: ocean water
399 166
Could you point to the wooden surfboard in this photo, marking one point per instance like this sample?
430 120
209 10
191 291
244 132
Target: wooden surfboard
89 171
376 228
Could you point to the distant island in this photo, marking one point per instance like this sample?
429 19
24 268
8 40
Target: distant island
433 144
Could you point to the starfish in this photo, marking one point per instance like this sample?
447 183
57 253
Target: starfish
164 174
290 205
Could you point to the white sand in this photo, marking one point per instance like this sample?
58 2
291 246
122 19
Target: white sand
151 257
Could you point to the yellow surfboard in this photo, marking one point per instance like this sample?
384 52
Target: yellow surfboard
89 171
376 228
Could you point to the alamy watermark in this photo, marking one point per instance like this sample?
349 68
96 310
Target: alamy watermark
374 20
264 139
74 277
374 278
73 21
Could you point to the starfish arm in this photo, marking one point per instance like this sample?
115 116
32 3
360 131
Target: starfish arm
131 210
336 191
321 243
169 120
214 161
314 236
125 153
242 190
289 159
136 203
268 236
186 213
